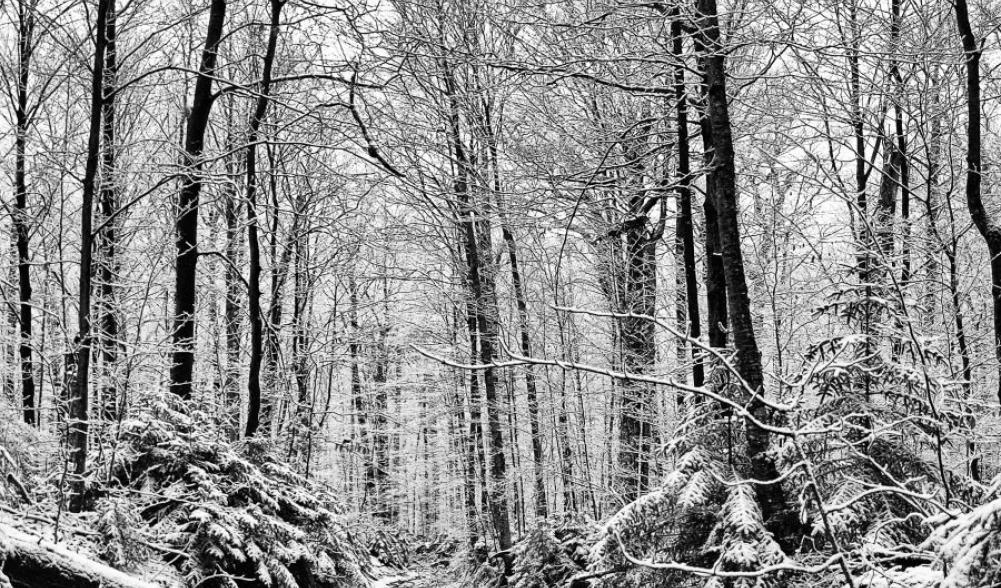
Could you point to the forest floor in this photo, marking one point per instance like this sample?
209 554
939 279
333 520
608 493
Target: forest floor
419 575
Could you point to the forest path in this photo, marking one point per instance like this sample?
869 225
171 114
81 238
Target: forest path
418 577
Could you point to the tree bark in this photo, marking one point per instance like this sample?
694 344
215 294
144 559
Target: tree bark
108 320
183 334
638 355
901 146
748 358
716 312
988 227
483 302
254 295
20 216
234 288
684 232
541 506
78 414
858 130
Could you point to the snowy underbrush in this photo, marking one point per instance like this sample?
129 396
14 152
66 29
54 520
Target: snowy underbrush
968 543
220 514
550 554
868 503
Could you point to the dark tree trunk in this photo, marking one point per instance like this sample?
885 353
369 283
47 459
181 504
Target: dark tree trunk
716 312
483 303
254 294
901 146
524 339
748 358
858 129
684 232
301 338
79 396
183 335
531 385
21 216
988 227
108 321
887 206
895 157
638 357
234 288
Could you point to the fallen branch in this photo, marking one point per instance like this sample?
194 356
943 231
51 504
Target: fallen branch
28 561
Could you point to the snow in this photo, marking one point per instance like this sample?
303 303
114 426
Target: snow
14 541
390 581
916 577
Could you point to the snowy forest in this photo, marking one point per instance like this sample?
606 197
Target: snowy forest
570 293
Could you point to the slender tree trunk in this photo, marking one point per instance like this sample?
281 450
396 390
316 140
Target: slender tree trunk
483 301
988 227
895 160
524 339
302 310
901 146
467 451
716 312
185 284
234 287
684 232
108 321
21 216
886 207
254 295
79 410
531 384
477 456
748 358
858 129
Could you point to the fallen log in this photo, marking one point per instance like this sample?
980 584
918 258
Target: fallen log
27 561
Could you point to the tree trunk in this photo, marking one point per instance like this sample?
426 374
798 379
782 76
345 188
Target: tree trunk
183 334
483 303
234 288
858 129
684 232
108 321
988 227
25 49
716 312
301 305
901 148
638 356
748 358
78 414
254 295
524 339
886 207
